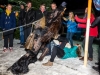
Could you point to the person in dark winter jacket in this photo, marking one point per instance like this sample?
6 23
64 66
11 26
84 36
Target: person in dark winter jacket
38 15
41 12
61 51
71 27
94 24
21 22
8 21
29 18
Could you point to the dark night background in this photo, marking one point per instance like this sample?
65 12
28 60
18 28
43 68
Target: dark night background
73 4
77 6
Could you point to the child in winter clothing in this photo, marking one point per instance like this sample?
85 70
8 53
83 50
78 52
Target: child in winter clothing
71 27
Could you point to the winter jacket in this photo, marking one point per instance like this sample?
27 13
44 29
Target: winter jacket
70 52
21 17
71 26
82 23
96 22
7 22
39 14
29 16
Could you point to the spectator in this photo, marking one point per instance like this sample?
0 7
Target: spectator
94 24
8 21
41 12
93 33
38 15
21 23
71 27
29 18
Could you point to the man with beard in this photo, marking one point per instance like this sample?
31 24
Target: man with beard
29 17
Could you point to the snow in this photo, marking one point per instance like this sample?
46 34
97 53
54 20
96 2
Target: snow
71 66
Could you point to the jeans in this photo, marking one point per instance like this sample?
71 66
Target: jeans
90 49
27 31
69 37
78 36
8 38
50 46
57 51
21 35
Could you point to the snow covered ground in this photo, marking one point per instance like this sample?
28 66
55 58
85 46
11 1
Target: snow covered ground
71 66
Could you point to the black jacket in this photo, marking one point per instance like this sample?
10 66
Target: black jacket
63 40
29 16
96 22
21 17
39 14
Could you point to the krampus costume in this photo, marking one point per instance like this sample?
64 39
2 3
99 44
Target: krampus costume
37 40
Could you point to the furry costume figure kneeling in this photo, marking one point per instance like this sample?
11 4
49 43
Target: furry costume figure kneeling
21 66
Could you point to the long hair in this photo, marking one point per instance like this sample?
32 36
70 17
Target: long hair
71 18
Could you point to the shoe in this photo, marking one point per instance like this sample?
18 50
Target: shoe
90 59
18 43
22 46
22 43
5 49
95 68
97 63
43 54
11 49
49 63
82 58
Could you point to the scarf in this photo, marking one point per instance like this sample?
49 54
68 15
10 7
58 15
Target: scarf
8 12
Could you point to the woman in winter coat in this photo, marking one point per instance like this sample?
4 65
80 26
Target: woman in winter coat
61 51
71 27
93 33
8 21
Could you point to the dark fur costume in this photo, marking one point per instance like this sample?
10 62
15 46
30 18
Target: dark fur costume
53 30
21 66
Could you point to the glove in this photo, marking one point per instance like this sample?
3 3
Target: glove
63 4
3 29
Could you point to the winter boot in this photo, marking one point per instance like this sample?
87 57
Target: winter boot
49 63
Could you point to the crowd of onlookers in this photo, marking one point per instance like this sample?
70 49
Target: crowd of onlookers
28 14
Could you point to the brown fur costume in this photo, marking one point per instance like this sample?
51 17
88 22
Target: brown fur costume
54 28
21 66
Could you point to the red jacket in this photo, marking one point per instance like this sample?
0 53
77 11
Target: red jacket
93 31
